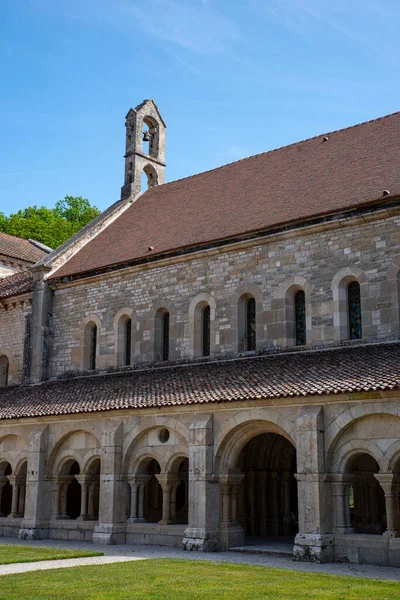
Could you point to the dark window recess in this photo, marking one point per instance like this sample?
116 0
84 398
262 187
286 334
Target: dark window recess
300 317
251 324
93 346
354 304
165 339
128 337
206 331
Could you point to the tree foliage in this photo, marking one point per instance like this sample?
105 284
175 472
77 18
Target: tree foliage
51 226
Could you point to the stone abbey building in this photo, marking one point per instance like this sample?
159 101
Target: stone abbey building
215 360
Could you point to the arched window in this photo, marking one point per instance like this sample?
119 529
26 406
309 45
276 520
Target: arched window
4 365
247 323
124 341
354 310
201 332
206 331
165 340
90 347
251 323
161 335
300 317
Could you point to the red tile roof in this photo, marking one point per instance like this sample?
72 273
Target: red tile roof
17 248
308 179
344 370
13 285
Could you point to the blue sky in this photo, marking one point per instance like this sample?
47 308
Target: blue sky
231 78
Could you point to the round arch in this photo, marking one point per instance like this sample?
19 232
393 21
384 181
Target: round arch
234 437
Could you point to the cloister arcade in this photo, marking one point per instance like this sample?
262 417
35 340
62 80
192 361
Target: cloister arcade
256 470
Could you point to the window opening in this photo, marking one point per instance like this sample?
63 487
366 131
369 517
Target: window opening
300 317
354 308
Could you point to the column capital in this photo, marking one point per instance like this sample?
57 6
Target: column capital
138 478
386 481
231 479
167 480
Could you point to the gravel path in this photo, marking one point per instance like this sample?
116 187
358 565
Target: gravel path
123 553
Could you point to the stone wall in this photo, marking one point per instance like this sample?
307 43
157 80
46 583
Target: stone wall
13 319
317 260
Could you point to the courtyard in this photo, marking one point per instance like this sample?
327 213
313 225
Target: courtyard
161 573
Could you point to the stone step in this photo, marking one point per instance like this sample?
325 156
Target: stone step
284 550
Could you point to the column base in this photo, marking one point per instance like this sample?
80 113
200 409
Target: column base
33 533
109 534
200 540
313 547
391 533
136 520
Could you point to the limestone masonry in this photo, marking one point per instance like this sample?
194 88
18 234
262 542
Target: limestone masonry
235 337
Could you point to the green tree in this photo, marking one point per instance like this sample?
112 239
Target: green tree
51 226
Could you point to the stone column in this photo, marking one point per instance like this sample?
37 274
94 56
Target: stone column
134 486
275 503
386 481
250 492
14 501
340 499
112 510
286 502
173 499
167 482
84 497
21 504
263 502
91 490
202 532
231 532
35 524
63 498
314 542
55 505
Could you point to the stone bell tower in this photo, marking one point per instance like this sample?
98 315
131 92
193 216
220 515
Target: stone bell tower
145 148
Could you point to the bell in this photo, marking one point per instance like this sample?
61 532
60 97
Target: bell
146 136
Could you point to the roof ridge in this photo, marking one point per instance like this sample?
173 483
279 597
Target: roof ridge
278 149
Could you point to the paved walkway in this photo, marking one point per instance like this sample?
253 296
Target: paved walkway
123 553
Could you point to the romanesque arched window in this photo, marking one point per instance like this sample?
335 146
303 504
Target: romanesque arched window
206 323
247 323
90 347
4 366
161 335
124 341
300 317
354 310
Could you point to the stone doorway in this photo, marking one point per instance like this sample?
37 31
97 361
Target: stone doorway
267 497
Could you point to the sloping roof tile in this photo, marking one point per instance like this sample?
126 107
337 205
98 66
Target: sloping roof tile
13 285
344 370
308 179
17 248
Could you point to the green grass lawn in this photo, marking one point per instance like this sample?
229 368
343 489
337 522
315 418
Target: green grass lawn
168 579
16 554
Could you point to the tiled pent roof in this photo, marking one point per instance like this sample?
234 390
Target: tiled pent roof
17 248
13 285
344 370
316 177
